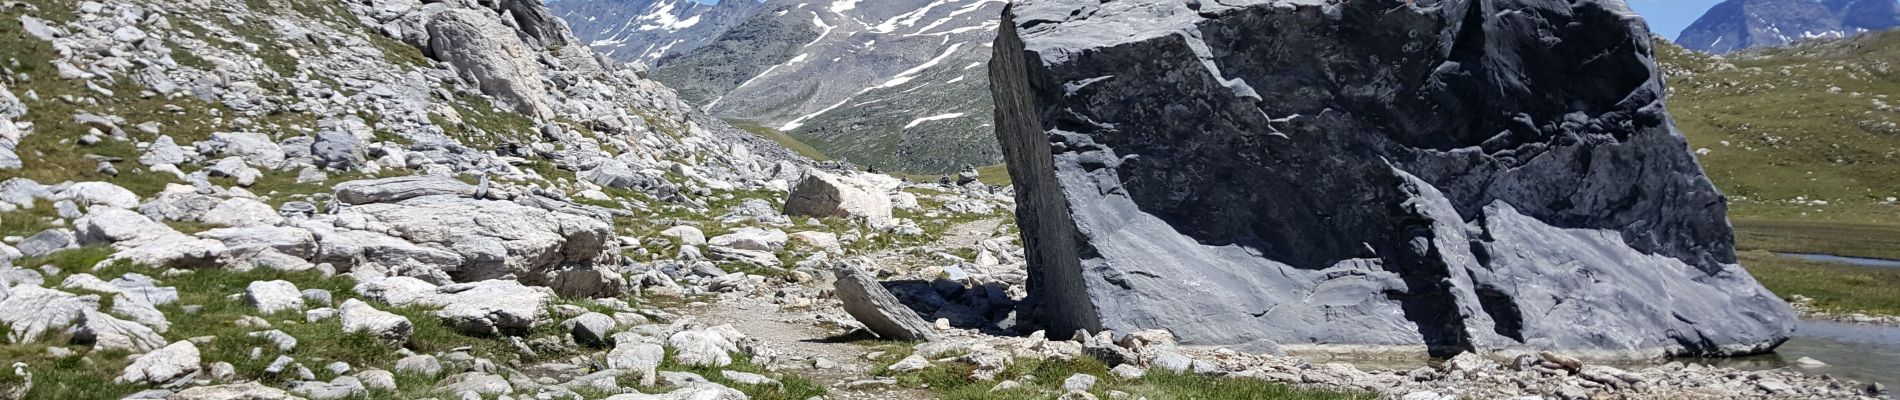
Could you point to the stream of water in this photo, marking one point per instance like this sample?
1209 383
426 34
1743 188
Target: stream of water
1865 262
1865 353
1858 352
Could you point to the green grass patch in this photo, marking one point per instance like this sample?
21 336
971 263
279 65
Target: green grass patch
26 222
1834 287
319 343
1042 379
1841 239
790 387
1786 126
783 140
993 175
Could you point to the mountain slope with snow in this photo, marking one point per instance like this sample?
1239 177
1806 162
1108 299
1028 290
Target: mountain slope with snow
896 84
645 30
1741 24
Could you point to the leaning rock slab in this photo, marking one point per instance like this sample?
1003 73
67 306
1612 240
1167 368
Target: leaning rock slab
1471 175
142 241
875 307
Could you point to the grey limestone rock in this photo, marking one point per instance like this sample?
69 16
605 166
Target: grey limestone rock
701 348
823 194
163 151
99 194
273 296
31 311
484 239
591 329
1459 175
388 190
867 301
246 390
255 149
357 316
640 358
491 307
103 331
488 54
47 242
422 364
173 362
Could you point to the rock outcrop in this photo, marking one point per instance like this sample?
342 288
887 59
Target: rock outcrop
822 194
1459 175
486 53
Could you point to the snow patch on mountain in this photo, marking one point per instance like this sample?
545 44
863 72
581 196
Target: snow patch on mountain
920 121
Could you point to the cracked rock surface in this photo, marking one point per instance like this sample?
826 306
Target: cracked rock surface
1464 175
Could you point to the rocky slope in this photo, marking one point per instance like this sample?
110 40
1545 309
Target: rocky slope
1497 201
644 31
222 199
228 199
894 84
1741 24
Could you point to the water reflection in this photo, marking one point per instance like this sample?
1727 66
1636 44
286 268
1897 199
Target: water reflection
1865 353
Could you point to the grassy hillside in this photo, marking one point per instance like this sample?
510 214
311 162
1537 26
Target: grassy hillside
993 175
782 139
1806 134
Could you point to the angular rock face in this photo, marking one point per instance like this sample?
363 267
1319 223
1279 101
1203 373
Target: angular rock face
488 54
822 194
1463 175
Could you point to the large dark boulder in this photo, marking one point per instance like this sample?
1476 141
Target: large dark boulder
1460 175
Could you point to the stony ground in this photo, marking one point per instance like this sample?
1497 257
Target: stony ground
224 199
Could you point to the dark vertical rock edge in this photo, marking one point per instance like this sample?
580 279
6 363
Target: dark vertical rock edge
1049 238
1468 175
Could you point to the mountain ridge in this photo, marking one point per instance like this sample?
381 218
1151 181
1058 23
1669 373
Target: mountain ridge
1742 24
644 31
844 77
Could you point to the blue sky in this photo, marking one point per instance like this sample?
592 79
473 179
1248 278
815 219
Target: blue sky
1668 17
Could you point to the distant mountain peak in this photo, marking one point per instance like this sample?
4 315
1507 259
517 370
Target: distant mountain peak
1741 24
643 31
